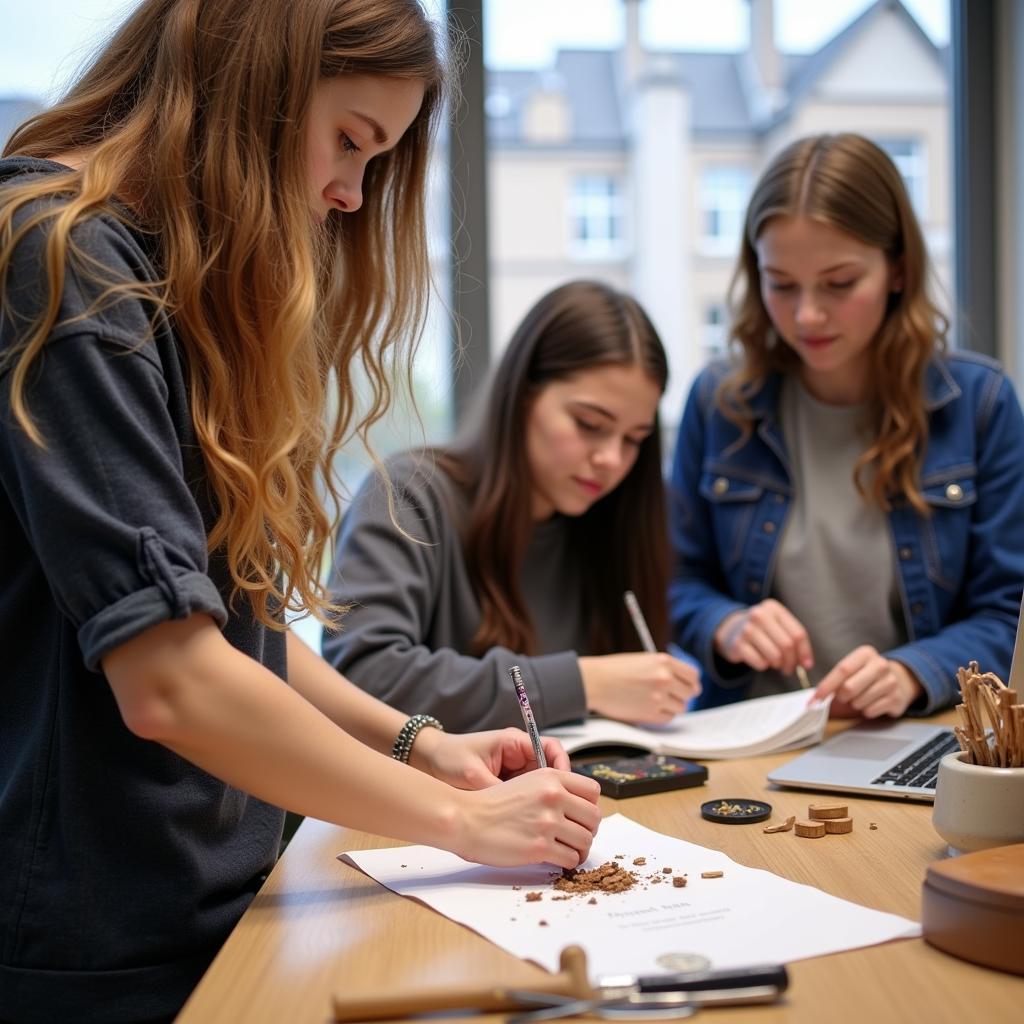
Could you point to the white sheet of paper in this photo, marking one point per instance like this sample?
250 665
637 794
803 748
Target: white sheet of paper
748 916
743 729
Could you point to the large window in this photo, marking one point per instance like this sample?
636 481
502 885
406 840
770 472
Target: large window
660 115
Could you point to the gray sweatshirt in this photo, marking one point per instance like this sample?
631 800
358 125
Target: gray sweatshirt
407 635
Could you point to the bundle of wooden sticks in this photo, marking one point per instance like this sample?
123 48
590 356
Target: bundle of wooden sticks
991 729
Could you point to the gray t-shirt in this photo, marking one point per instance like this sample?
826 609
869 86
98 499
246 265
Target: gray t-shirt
835 569
407 637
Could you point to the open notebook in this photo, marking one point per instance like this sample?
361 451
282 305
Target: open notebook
763 725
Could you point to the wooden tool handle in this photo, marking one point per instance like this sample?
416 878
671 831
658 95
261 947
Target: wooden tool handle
571 981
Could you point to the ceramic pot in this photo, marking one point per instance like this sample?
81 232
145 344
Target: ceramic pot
976 806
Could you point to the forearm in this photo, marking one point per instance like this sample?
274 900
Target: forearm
359 713
182 685
466 693
934 660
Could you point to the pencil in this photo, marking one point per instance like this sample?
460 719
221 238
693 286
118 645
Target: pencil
801 674
524 707
639 622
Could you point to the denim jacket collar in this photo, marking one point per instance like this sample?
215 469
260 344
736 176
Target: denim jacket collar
939 386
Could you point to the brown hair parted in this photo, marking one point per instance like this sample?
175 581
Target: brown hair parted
194 115
851 184
580 326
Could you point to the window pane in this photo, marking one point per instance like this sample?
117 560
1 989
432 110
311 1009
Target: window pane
682 103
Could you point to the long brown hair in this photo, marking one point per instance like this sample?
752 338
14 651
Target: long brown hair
198 111
577 327
848 182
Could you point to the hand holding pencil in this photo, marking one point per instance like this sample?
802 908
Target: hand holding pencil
648 688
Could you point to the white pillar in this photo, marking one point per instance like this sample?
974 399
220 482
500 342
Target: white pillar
662 190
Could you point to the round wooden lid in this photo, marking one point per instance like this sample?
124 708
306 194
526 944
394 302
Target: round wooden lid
994 877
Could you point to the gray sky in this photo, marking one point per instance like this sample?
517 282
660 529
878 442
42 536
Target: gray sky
43 42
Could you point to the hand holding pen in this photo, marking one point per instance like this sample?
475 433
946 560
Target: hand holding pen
649 688
531 725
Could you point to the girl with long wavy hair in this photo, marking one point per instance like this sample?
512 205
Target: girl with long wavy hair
848 497
196 243
516 543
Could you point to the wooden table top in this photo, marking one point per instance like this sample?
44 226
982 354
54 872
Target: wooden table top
320 927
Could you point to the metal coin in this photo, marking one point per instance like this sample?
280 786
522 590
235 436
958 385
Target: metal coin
683 963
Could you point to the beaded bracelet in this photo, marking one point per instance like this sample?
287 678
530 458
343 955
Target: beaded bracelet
408 733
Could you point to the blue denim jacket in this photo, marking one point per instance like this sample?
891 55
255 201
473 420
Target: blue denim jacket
960 571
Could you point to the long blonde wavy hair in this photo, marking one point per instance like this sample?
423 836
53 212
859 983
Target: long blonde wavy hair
196 113
847 182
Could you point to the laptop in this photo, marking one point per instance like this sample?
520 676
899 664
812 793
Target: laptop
876 758
885 757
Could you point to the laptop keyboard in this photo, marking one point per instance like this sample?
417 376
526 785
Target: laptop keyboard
921 768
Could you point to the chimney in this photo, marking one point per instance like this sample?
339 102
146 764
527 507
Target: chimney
633 51
762 45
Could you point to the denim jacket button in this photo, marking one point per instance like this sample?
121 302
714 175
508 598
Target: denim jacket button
916 608
905 554
769 527
720 486
754 587
954 492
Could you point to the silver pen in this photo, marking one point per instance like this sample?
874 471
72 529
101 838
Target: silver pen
639 622
524 707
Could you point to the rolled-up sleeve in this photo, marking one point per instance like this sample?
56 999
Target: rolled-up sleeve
104 502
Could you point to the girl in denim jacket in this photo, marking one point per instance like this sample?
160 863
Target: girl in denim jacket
848 494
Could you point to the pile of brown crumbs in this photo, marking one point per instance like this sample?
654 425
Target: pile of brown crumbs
607 877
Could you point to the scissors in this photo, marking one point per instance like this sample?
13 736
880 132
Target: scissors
669 1005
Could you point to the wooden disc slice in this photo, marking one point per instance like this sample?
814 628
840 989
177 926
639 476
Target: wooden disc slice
810 829
838 826
823 811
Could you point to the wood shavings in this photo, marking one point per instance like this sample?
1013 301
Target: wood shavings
607 877
785 826
991 717
534 897
712 874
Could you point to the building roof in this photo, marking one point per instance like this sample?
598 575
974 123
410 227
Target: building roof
717 83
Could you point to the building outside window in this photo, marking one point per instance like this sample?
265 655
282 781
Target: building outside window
723 200
596 216
909 157
715 332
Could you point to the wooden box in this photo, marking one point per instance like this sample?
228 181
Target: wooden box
973 907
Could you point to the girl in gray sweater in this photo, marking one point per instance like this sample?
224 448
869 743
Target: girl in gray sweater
515 543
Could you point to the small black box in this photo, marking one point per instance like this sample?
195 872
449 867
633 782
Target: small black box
637 776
